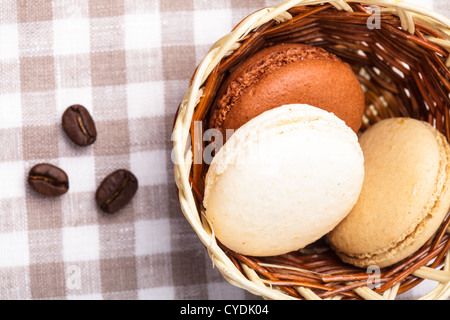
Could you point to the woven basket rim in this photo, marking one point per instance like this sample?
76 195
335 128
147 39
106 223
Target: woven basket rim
182 155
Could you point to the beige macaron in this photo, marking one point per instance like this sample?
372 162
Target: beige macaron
283 180
405 195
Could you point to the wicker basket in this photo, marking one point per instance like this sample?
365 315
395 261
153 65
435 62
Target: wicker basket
399 52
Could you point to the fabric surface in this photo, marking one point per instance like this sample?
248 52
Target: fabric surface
128 62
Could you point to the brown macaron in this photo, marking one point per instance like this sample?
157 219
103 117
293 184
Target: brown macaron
287 74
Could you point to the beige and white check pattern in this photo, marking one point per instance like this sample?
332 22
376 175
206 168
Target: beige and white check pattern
128 62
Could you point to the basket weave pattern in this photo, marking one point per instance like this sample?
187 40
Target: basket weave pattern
403 65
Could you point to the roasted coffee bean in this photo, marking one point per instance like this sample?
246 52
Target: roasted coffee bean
48 180
116 190
79 125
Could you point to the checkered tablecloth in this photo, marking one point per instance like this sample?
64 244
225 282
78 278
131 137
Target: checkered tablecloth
128 62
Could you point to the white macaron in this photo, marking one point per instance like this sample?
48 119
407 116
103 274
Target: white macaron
283 180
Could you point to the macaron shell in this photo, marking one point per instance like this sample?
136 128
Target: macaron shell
330 85
405 195
299 83
283 180
308 53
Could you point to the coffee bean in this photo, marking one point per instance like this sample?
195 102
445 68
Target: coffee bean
116 190
48 180
79 125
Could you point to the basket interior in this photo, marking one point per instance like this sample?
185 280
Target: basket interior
402 75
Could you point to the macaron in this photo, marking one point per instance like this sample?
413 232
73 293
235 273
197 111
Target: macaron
283 180
404 198
288 74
